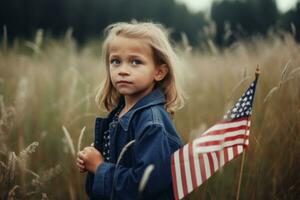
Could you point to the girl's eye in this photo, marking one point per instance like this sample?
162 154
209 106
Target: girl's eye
136 62
115 62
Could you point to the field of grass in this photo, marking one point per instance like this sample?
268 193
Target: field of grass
48 84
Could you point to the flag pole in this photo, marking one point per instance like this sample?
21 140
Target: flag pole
257 72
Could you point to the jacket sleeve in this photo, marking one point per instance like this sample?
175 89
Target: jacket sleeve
151 147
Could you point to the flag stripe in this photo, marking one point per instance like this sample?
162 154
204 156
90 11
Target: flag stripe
215 160
182 170
197 167
225 150
228 124
212 148
235 150
240 148
217 141
187 168
178 175
211 163
230 153
201 165
222 157
174 177
233 120
206 166
225 130
192 166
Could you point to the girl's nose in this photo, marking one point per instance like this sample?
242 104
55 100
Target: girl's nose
124 70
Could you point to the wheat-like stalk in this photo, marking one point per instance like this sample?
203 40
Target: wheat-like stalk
11 194
28 150
145 177
46 176
69 140
11 166
284 73
80 139
270 93
124 149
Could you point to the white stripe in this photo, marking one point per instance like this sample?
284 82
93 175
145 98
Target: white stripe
197 167
221 137
240 149
215 161
247 142
249 123
178 175
248 132
230 153
222 162
187 168
225 126
206 165
212 148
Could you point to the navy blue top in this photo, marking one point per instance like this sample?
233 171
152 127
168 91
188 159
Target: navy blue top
148 123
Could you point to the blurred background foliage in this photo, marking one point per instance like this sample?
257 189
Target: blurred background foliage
87 18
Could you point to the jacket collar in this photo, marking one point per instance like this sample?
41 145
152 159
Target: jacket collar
153 98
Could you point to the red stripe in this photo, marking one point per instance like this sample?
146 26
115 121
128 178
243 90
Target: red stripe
233 120
174 181
219 142
202 167
225 150
235 150
226 130
192 165
211 163
182 170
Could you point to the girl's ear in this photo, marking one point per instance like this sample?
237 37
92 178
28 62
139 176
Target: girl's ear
161 72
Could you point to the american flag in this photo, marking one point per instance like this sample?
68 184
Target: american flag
198 160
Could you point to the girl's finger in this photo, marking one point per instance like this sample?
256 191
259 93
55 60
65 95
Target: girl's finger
82 171
80 161
81 155
80 166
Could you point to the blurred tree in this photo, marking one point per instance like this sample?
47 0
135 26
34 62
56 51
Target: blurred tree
243 17
233 18
89 17
291 21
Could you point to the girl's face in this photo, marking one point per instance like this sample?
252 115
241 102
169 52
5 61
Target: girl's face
132 68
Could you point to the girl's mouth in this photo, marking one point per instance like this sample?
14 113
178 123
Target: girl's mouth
124 82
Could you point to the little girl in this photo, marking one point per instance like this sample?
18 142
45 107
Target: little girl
140 92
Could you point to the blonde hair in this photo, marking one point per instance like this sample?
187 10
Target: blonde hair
156 36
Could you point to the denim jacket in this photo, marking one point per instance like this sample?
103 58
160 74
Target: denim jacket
148 123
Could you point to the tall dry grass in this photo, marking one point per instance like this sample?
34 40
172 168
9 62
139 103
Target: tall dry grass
48 84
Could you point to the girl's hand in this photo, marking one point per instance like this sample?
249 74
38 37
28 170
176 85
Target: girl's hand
91 158
80 164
